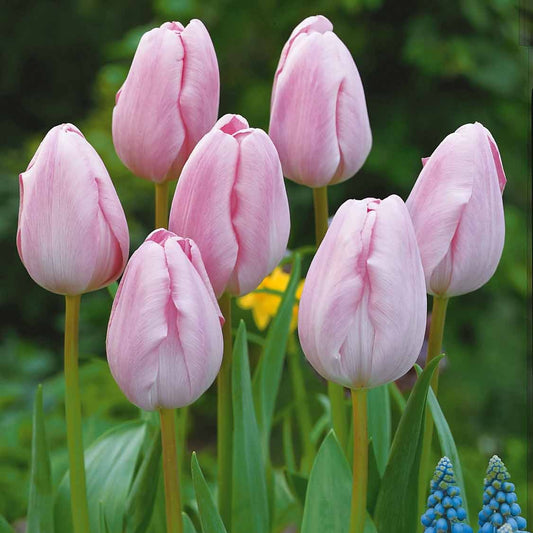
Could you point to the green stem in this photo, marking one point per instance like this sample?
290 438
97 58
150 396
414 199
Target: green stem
360 461
320 202
303 414
225 418
335 392
182 428
170 471
436 333
161 205
78 494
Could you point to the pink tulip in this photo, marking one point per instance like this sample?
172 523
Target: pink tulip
318 119
457 211
168 101
72 233
231 200
363 307
164 339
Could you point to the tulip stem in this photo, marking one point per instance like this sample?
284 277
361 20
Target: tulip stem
78 493
225 418
436 333
360 461
161 205
320 201
170 471
335 392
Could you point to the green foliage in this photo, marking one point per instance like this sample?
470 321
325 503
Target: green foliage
268 374
209 517
396 507
250 504
379 424
110 466
40 504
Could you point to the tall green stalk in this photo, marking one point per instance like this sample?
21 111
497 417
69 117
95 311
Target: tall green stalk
225 417
360 461
335 392
170 471
78 493
161 205
436 333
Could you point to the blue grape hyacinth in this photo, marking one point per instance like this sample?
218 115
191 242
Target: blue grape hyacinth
445 513
499 502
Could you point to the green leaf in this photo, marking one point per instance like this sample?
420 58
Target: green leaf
110 465
329 492
268 373
209 516
141 498
397 396
374 478
327 502
112 289
447 444
396 508
298 484
188 526
379 424
4 526
41 499
104 527
250 505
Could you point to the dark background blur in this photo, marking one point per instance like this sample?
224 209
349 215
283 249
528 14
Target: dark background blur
427 68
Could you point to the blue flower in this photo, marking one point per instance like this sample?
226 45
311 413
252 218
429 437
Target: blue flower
500 512
445 513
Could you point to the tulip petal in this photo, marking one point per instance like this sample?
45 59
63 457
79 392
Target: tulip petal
260 211
303 120
57 233
201 85
201 208
148 129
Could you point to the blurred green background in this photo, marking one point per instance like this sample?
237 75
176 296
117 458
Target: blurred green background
427 68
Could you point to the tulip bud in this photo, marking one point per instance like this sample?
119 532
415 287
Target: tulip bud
457 212
231 200
318 119
164 339
168 101
363 307
72 233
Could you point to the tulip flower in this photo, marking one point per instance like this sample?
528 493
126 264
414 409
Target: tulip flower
457 212
72 233
363 307
168 101
164 339
318 120
231 201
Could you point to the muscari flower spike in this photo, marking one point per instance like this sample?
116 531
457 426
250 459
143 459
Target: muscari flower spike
445 513
506 528
499 502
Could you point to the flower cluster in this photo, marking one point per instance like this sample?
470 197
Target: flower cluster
445 512
499 501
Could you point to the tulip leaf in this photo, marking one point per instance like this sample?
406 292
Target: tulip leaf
209 516
188 526
250 505
110 465
374 478
447 443
104 527
397 505
267 376
112 289
379 424
5 527
41 499
141 498
329 492
297 483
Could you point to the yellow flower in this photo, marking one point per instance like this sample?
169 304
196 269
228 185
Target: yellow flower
265 305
